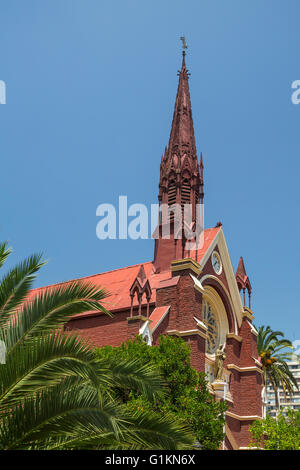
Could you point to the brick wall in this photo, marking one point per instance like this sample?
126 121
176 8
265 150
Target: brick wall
102 330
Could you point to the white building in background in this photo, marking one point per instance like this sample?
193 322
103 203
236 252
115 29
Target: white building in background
286 402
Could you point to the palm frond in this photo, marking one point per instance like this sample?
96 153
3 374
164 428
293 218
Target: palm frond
64 413
43 363
4 253
51 309
272 347
135 375
15 285
150 430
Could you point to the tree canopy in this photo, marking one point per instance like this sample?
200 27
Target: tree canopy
186 396
282 433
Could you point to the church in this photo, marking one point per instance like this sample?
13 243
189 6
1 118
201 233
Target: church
189 293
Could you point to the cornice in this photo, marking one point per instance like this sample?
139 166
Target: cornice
244 417
186 263
234 336
244 369
187 333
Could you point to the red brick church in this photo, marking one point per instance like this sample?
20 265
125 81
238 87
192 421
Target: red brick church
193 294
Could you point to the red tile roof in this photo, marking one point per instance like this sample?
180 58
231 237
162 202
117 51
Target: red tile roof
209 236
119 281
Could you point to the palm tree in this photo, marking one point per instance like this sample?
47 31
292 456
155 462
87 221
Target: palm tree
54 394
272 349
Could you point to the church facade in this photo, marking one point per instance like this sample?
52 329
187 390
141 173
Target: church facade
192 293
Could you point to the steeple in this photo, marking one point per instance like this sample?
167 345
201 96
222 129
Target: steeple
180 165
181 176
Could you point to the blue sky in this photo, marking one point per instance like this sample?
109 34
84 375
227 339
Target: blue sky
91 87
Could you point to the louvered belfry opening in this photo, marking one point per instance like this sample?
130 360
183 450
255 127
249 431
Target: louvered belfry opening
171 199
185 193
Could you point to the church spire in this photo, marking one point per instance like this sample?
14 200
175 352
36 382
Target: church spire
180 165
181 176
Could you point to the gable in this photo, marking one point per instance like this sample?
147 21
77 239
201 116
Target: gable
229 284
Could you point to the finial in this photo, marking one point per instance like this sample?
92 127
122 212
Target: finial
184 45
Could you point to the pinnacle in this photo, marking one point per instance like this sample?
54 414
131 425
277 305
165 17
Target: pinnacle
241 268
141 275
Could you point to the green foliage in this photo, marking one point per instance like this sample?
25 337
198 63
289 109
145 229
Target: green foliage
282 433
273 348
53 393
186 396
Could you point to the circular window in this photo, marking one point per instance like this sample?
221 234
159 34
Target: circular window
211 322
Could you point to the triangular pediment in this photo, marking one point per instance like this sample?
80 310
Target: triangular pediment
232 290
